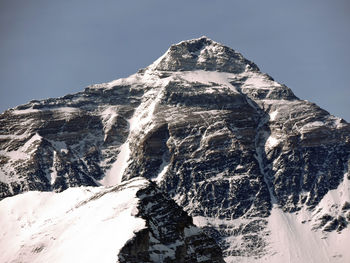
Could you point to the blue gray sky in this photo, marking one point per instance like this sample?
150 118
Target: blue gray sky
50 48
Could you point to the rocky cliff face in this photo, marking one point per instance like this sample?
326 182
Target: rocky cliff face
233 148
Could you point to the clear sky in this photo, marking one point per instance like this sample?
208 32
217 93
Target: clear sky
50 48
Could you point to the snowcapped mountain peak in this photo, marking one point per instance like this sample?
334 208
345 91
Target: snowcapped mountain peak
263 173
202 54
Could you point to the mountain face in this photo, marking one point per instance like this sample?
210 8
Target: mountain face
248 164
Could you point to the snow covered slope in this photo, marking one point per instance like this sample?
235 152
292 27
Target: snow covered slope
100 224
77 225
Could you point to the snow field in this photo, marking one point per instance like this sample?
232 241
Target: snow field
83 224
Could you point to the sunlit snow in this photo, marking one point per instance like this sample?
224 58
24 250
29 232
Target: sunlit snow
83 224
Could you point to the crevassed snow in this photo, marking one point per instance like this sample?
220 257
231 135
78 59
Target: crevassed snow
83 224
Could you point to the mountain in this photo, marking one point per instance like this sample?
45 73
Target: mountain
261 172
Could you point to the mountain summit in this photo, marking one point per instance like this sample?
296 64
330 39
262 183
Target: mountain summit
247 171
202 54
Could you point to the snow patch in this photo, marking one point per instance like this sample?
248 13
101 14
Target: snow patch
273 115
257 80
26 111
271 142
312 125
114 175
208 78
144 113
53 174
163 169
66 111
15 155
109 116
27 147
